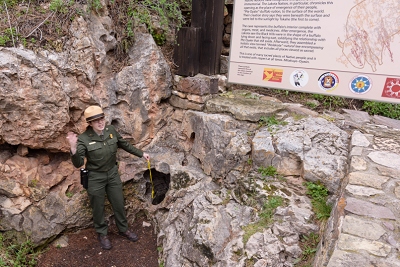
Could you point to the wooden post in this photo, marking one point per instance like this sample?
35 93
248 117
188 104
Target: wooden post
186 51
209 16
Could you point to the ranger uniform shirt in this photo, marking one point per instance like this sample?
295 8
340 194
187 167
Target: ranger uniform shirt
101 154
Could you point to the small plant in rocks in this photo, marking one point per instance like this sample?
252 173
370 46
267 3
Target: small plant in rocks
312 104
308 244
270 121
265 216
330 101
319 195
267 171
15 254
271 171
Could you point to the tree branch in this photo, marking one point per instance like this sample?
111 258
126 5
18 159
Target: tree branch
9 22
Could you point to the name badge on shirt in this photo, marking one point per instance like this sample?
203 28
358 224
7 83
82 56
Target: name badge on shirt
91 143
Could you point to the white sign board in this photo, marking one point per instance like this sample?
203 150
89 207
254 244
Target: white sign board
348 48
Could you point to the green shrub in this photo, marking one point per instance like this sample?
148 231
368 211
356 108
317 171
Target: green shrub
166 10
17 255
309 245
58 6
8 3
160 16
159 38
94 5
319 195
267 171
312 104
7 36
270 206
330 101
383 109
4 39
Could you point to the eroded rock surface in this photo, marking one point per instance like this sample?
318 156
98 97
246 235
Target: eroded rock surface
207 151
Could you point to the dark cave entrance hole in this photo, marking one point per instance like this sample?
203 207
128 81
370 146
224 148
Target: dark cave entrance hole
161 183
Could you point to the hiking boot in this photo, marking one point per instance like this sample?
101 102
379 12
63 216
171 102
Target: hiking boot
129 235
104 242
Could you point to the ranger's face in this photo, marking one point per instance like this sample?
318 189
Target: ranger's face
98 125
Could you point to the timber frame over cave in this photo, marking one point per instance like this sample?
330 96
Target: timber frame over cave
198 47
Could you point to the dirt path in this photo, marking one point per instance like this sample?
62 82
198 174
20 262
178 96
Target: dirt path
84 250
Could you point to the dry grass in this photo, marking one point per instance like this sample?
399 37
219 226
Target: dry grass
306 99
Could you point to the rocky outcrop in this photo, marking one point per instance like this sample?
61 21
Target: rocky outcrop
229 193
320 147
43 96
241 106
362 229
219 142
40 196
205 226
208 151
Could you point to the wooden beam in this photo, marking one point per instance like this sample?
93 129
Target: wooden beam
209 16
187 51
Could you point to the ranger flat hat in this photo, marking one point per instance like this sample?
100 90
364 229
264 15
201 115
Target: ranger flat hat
93 113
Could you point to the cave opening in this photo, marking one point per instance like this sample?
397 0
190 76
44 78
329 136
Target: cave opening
160 185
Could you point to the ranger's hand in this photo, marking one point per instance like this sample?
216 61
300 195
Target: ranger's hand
146 156
72 139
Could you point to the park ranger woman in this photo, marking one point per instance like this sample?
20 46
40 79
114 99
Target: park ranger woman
99 144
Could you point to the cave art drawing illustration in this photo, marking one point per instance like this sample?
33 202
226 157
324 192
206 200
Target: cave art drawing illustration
370 30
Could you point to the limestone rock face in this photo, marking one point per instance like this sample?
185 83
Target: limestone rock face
34 106
206 151
205 224
219 142
319 148
244 106
41 196
43 95
136 91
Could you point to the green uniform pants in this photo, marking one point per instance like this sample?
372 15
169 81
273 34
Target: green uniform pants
100 184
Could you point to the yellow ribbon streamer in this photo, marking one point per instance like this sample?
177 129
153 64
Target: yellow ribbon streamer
151 180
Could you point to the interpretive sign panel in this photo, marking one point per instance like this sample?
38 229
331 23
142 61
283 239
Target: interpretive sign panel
348 48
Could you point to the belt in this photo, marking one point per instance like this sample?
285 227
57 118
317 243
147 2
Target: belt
110 170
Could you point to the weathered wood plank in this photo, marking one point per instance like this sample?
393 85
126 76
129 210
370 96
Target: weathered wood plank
209 16
187 51
198 11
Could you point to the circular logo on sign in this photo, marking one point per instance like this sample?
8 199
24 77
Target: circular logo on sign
328 81
299 78
360 84
392 88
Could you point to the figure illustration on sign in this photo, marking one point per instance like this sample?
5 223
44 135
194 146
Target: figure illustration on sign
370 28
299 78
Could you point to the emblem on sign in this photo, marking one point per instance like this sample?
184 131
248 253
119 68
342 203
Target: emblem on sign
299 78
360 84
392 88
328 81
272 75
